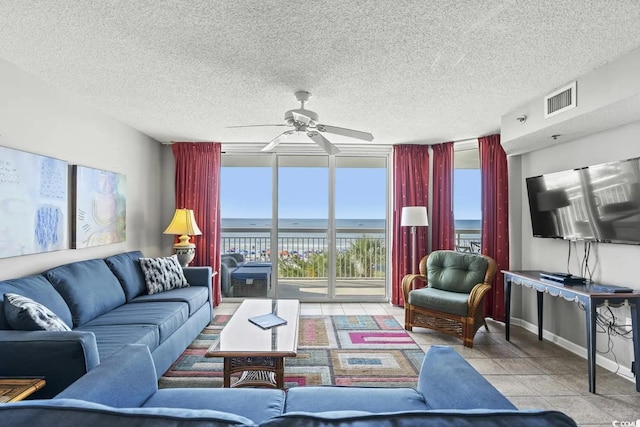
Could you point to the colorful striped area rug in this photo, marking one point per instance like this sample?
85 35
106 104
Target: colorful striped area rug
332 350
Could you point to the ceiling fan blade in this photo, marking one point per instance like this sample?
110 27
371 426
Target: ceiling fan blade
345 132
275 141
323 142
254 126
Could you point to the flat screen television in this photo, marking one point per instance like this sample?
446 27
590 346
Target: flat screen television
598 203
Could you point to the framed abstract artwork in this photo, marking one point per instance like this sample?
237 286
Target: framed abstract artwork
33 203
99 207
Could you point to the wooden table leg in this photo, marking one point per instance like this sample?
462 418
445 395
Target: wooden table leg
279 372
227 372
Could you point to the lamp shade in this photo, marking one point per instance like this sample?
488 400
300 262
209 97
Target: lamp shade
183 223
414 216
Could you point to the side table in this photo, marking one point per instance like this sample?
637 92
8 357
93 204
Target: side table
14 389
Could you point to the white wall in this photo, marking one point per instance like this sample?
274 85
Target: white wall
616 264
35 117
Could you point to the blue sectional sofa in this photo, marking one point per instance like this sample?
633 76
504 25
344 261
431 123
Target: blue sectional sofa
123 391
106 303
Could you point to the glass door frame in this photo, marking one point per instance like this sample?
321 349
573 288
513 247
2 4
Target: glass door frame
331 224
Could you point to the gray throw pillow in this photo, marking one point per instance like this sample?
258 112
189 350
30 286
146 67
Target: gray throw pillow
25 314
162 274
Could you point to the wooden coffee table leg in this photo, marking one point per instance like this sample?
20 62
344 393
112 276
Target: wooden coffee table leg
227 372
279 372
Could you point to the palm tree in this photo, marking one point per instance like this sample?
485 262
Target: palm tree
368 255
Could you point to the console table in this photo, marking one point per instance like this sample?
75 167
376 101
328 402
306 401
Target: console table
586 295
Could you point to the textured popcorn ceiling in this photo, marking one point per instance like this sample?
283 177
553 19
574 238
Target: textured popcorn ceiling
406 71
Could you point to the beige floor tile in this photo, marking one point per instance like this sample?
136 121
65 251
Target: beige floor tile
311 311
469 353
394 311
335 310
487 367
518 365
620 407
310 305
510 386
496 351
559 365
531 402
581 410
354 311
375 310
546 385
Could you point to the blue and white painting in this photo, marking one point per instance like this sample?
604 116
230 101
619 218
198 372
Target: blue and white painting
33 203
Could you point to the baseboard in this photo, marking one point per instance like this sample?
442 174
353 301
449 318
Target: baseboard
607 364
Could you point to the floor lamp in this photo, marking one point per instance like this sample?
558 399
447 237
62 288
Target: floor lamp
414 216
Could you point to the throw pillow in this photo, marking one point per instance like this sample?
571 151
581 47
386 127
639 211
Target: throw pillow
162 274
25 314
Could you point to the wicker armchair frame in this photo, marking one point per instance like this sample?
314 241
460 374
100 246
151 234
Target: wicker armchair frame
463 327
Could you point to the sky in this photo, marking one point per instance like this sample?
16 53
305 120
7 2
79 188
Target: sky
304 193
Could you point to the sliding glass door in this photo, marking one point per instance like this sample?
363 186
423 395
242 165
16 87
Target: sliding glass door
322 229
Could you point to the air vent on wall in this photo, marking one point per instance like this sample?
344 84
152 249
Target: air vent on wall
560 101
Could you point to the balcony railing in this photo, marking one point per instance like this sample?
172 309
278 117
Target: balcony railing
303 253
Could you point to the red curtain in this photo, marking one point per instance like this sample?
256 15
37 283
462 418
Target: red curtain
198 188
411 188
443 226
495 217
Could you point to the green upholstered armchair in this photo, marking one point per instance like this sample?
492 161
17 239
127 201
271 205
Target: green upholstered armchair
452 299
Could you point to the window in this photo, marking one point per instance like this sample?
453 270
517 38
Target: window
467 195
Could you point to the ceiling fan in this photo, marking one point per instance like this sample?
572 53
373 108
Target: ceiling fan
302 120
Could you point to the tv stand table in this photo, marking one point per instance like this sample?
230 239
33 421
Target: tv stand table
589 297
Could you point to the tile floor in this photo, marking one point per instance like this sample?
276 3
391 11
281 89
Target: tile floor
532 374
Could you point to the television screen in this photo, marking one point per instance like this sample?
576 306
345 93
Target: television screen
598 203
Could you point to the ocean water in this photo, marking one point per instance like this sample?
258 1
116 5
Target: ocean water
249 223
251 236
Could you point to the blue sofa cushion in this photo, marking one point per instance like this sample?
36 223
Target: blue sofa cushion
126 267
461 418
88 287
25 314
111 338
259 405
448 381
455 271
39 289
166 316
104 384
194 296
370 399
162 274
71 412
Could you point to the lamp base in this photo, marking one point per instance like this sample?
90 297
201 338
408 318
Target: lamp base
185 253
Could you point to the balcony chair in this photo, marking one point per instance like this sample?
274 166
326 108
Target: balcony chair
228 264
452 299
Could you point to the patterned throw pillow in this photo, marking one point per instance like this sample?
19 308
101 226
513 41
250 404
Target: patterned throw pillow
162 274
25 314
